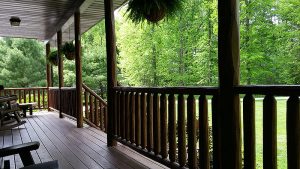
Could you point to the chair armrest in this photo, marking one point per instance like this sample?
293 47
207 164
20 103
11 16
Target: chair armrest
21 148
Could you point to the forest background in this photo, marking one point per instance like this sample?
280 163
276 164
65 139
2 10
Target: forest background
179 51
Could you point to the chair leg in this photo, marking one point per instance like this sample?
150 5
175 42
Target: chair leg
26 158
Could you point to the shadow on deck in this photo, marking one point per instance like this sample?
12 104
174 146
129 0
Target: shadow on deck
78 148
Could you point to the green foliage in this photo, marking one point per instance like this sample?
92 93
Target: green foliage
69 50
22 63
53 58
152 10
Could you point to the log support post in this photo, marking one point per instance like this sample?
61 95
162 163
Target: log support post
78 65
111 68
60 70
229 103
48 69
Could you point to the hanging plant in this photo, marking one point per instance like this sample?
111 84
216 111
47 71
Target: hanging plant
152 10
53 58
69 50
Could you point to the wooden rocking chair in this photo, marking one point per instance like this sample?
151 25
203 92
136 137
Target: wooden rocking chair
9 112
24 151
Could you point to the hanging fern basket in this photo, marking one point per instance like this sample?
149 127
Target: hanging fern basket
152 10
155 16
53 58
69 50
70 55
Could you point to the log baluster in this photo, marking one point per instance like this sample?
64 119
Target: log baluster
122 115
191 129
86 106
101 116
204 159
249 131
293 132
156 124
172 128
127 116
39 98
29 96
24 95
132 117
181 131
269 132
143 121
91 108
216 133
97 120
149 122
137 119
164 128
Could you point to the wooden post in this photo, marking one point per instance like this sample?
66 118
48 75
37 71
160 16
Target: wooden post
60 70
111 67
78 70
229 103
48 69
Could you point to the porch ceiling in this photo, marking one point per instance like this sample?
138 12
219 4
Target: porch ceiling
42 19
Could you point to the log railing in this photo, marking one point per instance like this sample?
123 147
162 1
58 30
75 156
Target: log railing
95 109
28 95
270 124
162 123
68 100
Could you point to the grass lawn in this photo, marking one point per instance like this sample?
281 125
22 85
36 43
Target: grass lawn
281 131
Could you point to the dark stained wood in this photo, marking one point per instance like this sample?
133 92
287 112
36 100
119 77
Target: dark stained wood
149 122
122 115
181 131
132 118
171 90
87 89
127 116
39 98
156 124
29 96
101 115
24 95
229 71
60 69
216 132
143 121
277 90
91 108
111 66
137 119
204 159
97 118
118 114
86 105
191 130
293 132
269 132
115 116
48 67
163 125
78 67
172 127
249 131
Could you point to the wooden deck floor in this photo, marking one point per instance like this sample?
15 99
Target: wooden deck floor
73 147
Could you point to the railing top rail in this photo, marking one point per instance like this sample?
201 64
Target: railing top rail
94 94
26 88
278 90
63 88
171 90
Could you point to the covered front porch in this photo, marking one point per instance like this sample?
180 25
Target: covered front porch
73 147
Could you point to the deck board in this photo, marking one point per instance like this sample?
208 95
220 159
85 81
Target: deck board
78 148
